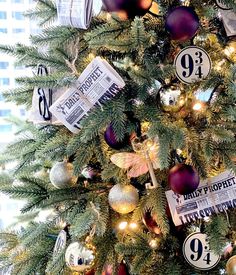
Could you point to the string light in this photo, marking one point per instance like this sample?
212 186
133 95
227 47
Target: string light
108 15
122 225
133 225
91 56
153 243
179 151
197 106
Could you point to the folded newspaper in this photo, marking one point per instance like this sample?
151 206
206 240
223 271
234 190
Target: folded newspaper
229 21
75 13
214 195
98 83
42 99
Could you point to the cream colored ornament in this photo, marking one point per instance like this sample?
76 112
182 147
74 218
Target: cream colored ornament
61 175
123 198
231 266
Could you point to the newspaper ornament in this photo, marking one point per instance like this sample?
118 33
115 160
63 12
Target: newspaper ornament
98 83
60 243
42 100
214 195
197 252
192 64
75 13
229 21
97 7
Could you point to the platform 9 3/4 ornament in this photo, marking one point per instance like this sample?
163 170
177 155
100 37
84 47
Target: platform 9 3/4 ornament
222 5
197 252
192 64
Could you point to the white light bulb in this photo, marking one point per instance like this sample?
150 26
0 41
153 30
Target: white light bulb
153 243
133 225
197 106
122 225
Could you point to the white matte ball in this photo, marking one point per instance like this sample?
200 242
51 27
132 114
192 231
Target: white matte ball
123 198
61 175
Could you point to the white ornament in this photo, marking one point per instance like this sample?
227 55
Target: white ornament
192 64
61 175
78 257
60 243
197 252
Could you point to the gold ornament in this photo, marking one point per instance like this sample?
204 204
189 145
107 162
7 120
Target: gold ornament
61 175
78 257
123 198
231 266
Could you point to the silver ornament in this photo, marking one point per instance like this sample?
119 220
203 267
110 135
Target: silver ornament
78 257
123 198
61 175
60 243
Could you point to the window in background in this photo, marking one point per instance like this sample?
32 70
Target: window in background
3 30
3 1
1 97
17 1
3 15
5 112
19 67
4 81
22 112
18 15
5 128
4 65
18 30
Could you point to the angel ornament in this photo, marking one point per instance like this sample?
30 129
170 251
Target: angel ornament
143 160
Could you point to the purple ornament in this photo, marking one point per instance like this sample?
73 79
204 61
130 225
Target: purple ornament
130 7
112 141
182 23
183 179
151 222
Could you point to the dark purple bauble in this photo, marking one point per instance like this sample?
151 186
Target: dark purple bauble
122 269
130 7
183 179
150 221
182 23
112 141
91 272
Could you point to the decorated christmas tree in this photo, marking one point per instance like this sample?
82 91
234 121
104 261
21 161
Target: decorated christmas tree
130 142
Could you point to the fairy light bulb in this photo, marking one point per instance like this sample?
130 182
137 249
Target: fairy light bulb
179 151
108 16
122 225
91 56
133 225
153 243
197 106
229 50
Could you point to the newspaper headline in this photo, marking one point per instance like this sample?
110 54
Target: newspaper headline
98 83
214 195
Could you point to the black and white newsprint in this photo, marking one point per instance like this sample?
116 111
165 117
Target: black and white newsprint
75 13
214 195
228 17
98 83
